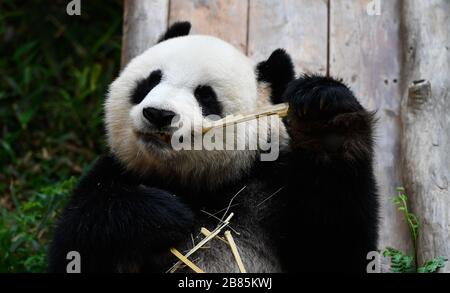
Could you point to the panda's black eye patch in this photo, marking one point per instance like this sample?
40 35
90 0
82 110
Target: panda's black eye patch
144 86
207 98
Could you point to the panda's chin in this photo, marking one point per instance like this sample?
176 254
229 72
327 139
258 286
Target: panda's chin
155 142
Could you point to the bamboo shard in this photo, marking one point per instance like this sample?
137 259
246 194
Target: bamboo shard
230 242
203 242
207 233
186 261
280 109
235 251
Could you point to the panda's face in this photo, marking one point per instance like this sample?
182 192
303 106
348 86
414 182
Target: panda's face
176 86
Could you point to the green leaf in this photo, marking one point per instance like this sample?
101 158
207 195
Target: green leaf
95 73
9 150
396 200
400 263
25 117
13 85
433 265
82 78
17 241
65 95
24 49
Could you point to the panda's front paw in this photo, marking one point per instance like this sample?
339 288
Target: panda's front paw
320 98
326 118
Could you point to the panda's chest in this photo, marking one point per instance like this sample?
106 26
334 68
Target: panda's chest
257 254
249 209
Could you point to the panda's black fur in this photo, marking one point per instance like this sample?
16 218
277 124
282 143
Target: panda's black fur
315 208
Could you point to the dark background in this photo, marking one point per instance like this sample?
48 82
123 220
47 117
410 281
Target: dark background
54 73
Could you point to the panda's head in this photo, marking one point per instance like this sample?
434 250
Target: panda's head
177 85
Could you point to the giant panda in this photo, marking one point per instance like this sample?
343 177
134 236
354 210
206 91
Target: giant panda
314 208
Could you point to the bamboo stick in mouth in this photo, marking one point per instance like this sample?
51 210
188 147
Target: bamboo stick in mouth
280 109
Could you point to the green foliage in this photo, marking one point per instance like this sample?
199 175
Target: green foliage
401 262
24 231
433 265
401 201
54 72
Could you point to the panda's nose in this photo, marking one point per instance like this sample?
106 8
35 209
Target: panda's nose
158 117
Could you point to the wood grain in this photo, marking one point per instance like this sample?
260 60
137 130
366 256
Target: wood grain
144 21
299 26
426 123
365 51
226 19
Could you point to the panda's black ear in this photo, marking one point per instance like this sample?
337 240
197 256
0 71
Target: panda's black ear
277 71
178 29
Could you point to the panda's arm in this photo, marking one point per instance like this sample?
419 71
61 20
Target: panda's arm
334 191
116 224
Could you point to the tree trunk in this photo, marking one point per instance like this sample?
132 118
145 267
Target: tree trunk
225 19
425 116
143 22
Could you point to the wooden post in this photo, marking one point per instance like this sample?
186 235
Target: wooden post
299 26
144 21
425 116
225 19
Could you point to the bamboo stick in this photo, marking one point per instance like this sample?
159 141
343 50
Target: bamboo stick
235 251
204 241
186 261
206 233
280 109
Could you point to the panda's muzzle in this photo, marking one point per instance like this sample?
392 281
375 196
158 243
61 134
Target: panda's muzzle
157 129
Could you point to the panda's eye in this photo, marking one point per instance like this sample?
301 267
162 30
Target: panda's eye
207 98
144 86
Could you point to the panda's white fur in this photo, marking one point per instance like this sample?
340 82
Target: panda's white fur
186 62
